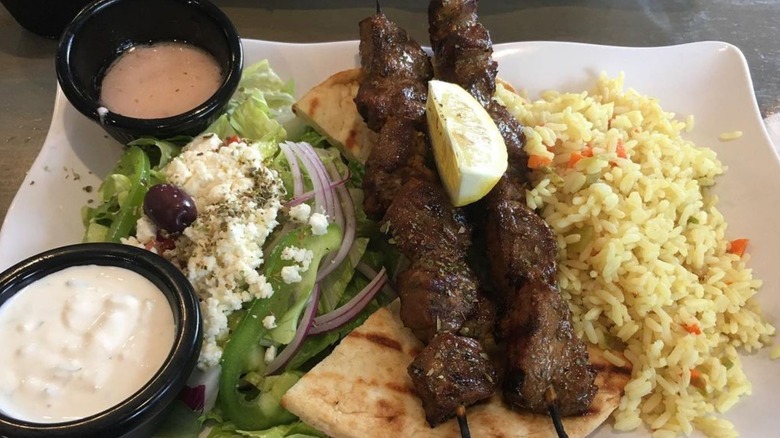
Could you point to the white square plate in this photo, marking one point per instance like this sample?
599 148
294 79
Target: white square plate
708 79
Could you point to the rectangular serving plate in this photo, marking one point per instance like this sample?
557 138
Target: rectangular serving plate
709 80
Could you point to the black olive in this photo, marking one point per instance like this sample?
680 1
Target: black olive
170 208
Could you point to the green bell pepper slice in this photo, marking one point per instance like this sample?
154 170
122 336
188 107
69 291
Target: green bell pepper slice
243 352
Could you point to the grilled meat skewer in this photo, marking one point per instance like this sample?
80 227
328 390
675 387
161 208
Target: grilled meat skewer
438 290
543 352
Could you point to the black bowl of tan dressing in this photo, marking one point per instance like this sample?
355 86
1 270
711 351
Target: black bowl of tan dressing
98 341
158 68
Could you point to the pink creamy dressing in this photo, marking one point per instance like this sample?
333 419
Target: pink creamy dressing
160 80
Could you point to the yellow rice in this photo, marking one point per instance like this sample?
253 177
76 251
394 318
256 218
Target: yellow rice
644 255
728 136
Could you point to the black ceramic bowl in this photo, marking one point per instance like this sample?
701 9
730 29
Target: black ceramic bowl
105 29
140 414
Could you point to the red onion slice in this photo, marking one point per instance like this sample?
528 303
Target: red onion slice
322 197
295 169
347 312
304 327
200 393
331 208
349 226
300 199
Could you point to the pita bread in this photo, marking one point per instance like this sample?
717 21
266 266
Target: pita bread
330 109
363 390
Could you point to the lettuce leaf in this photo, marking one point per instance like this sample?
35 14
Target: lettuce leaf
293 430
258 109
122 195
335 284
180 422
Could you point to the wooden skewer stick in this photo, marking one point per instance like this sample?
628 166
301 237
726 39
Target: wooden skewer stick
460 413
555 414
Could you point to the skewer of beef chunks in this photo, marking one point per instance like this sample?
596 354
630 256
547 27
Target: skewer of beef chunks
438 290
547 367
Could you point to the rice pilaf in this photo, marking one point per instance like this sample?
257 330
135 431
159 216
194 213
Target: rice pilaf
645 258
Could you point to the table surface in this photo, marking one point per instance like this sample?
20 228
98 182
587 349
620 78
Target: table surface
28 83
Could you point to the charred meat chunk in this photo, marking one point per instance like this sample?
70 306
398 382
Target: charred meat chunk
435 296
512 132
449 372
395 74
424 222
400 154
463 48
545 353
438 291
481 323
522 246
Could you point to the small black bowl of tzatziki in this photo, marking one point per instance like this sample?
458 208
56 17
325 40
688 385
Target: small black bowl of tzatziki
156 68
96 340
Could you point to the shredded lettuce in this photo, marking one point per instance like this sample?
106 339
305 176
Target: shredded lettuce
314 138
335 284
258 109
180 422
292 430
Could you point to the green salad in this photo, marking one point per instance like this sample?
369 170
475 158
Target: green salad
317 269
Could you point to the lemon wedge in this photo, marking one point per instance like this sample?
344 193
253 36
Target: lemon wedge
467 145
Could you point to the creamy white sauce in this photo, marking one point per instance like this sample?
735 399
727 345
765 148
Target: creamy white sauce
80 341
160 80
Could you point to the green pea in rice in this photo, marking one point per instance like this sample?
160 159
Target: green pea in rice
644 258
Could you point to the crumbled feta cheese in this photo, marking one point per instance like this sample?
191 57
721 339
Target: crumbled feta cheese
300 212
302 256
291 274
270 354
133 241
269 322
238 199
210 353
145 235
318 223
145 230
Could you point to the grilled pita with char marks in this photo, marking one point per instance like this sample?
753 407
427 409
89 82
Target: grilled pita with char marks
362 390
330 109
